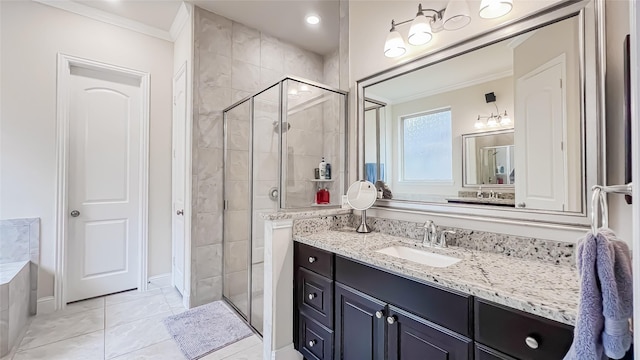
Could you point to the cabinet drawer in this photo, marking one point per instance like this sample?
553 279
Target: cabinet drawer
315 341
447 308
314 259
315 296
507 330
411 337
485 353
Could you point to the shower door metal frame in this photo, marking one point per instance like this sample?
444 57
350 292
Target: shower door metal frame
282 99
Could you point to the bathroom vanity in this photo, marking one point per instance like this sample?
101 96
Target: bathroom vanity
353 302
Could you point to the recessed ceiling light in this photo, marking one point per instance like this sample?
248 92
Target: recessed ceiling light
313 19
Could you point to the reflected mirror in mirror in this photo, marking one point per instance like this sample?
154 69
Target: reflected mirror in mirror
488 159
499 125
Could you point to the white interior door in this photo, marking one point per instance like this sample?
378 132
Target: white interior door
178 176
105 117
540 160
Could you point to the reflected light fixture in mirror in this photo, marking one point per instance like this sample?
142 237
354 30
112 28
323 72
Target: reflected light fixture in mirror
454 17
312 19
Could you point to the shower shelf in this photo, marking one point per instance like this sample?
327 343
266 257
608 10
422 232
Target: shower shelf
323 205
321 180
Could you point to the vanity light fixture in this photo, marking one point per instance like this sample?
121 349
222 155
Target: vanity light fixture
453 17
492 121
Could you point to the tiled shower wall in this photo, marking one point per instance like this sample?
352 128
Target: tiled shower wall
231 61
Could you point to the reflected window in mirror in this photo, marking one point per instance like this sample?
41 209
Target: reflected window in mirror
426 147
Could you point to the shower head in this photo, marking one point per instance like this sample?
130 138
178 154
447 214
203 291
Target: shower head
276 127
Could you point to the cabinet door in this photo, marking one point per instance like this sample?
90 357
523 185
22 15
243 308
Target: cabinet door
359 331
413 338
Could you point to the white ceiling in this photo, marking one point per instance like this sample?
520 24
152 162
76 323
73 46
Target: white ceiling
284 19
485 64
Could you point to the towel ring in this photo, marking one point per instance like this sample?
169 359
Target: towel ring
598 198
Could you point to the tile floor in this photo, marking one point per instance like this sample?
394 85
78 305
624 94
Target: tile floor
122 326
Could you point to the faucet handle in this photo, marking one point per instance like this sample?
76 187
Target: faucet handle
443 237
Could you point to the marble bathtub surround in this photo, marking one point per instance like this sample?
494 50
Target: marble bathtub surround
231 61
14 303
529 248
527 285
20 241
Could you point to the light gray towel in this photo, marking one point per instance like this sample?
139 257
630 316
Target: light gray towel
602 328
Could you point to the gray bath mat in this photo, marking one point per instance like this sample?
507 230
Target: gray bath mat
205 329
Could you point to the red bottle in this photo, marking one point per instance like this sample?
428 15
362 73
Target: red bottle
322 196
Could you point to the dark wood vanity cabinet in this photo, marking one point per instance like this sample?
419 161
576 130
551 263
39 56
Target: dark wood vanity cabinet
347 310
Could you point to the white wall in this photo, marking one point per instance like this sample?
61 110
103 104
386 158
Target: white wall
31 36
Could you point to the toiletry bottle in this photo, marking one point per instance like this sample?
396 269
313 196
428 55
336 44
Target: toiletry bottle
322 196
327 172
323 169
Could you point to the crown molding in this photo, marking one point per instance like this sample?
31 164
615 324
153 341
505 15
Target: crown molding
107 17
453 87
181 19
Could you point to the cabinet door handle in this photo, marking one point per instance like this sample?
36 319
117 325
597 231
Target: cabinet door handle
379 314
531 342
312 343
312 259
391 320
312 296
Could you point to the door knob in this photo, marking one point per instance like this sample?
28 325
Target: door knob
531 342
75 213
312 296
180 212
312 343
379 314
522 205
312 259
391 320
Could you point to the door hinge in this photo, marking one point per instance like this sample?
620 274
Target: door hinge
225 204
562 145
560 83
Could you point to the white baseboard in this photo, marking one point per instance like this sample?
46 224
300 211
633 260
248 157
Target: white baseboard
46 305
162 280
286 353
186 301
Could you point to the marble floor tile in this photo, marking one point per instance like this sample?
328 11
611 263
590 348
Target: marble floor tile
252 353
230 351
60 326
136 335
173 297
89 346
178 310
130 295
141 308
79 306
166 350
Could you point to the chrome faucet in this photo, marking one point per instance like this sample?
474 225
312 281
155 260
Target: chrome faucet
430 233
443 238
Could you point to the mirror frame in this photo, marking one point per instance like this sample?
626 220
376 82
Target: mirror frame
509 187
592 69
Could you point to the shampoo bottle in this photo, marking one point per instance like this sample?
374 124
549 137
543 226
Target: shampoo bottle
323 169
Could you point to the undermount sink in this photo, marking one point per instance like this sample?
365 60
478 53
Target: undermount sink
419 256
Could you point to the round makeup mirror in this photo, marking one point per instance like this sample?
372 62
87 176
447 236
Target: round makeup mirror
361 196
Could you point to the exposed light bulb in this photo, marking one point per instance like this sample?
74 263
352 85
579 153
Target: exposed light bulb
491 9
491 122
479 124
304 88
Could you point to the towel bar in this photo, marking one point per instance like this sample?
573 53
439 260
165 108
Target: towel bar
598 198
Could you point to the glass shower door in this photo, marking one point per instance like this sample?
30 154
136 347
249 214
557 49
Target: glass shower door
237 214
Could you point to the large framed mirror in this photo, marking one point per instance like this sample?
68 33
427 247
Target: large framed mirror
508 124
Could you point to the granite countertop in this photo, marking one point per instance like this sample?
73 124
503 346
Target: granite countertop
485 201
305 213
550 291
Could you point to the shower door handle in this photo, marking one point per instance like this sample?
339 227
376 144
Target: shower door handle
180 212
